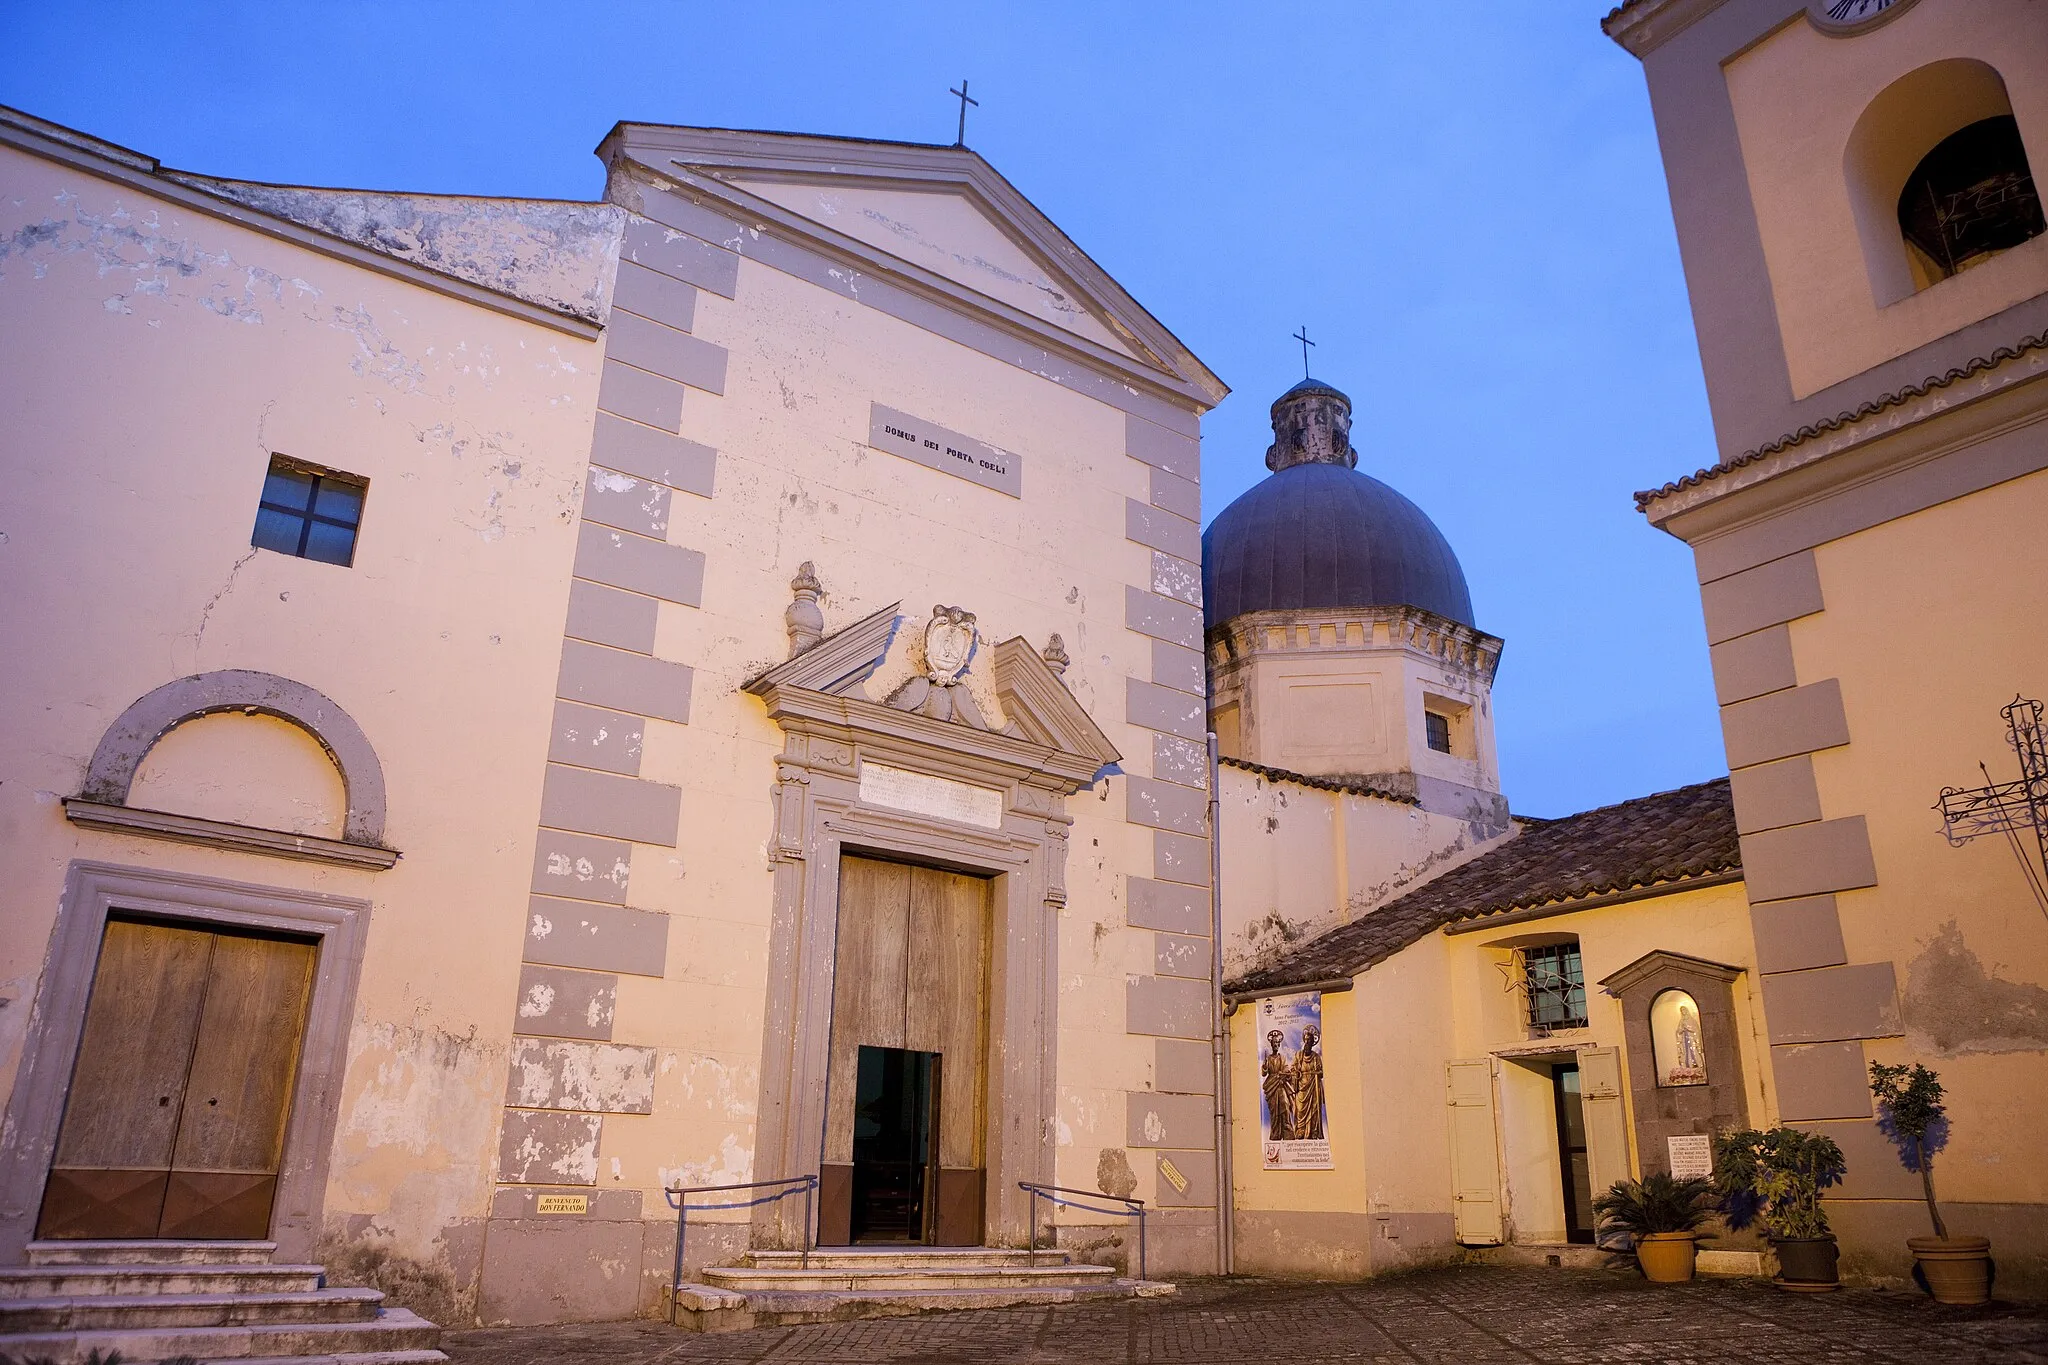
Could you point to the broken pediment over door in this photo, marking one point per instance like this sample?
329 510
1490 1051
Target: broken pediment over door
941 669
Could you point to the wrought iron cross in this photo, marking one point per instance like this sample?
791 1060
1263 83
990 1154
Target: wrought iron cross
2007 807
965 100
1301 336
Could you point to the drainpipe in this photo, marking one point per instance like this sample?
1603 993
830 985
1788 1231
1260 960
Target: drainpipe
1226 1250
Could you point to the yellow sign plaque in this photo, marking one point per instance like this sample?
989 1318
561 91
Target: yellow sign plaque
561 1203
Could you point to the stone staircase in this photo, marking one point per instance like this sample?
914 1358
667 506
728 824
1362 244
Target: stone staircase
781 1288
214 1300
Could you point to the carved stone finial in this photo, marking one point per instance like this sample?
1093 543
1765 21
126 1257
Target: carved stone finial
805 622
1055 655
1311 425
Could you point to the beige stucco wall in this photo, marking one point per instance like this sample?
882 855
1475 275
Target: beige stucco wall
1300 860
155 357
1797 96
1968 943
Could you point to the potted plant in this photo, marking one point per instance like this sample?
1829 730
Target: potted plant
1662 1217
1912 1115
1777 1177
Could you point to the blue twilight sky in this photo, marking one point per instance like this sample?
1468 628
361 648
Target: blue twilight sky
1464 203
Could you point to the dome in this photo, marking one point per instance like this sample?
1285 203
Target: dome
1321 535
1316 533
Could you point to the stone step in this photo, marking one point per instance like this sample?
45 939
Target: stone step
142 1312
708 1308
1564 1255
154 1252
848 1258
749 1280
393 1333
55 1281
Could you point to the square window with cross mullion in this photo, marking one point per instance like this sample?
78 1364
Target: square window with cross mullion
309 512
1557 986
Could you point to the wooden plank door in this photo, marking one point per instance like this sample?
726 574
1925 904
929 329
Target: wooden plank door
238 1096
113 1159
174 1126
947 1013
869 966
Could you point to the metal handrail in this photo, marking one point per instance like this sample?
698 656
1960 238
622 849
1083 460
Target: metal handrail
1132 1208
679 1200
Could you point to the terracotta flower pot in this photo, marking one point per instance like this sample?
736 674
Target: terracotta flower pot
1957 1269
1666 1257
1804 1261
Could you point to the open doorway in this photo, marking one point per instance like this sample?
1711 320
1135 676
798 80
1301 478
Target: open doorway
1573 1163
895 1145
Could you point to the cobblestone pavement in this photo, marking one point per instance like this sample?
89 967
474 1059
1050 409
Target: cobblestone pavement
1469 1315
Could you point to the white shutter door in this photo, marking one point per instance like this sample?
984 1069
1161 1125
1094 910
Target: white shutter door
1475 1169
1606 1120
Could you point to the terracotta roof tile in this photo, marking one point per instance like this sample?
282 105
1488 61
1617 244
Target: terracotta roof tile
1354 786
1669 837
1825 425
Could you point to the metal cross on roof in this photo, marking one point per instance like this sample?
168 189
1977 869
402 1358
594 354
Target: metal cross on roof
965 100
2008 807
1301 336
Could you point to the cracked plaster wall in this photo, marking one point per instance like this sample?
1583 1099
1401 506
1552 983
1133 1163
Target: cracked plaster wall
156 359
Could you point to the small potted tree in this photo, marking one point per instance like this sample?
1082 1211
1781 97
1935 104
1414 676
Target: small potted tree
1912 1115
1662 1217
1777 1177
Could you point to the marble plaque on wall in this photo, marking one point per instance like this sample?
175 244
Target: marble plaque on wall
923 794
937 448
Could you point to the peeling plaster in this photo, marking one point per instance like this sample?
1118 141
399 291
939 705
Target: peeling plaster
417 1132
606 1078
554 253
1113 1173
1954 1005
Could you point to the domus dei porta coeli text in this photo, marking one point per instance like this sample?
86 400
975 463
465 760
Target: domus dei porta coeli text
721 697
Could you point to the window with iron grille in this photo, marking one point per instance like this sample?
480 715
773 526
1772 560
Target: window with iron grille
1438 730
1557 986
310 512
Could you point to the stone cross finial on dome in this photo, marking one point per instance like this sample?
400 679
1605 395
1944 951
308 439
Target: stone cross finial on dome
1311 425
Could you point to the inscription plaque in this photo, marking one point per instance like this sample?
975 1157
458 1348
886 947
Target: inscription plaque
1692 1156
923 794
935 447
561 1203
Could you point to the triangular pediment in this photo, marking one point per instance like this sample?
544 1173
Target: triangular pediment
938 220
953 233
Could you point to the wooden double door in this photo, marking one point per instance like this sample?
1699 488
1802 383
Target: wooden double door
906 1089
175 1122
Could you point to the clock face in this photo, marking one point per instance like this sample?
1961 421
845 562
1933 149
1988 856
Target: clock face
1843 17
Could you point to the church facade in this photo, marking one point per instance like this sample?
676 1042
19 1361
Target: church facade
532 707
490 755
